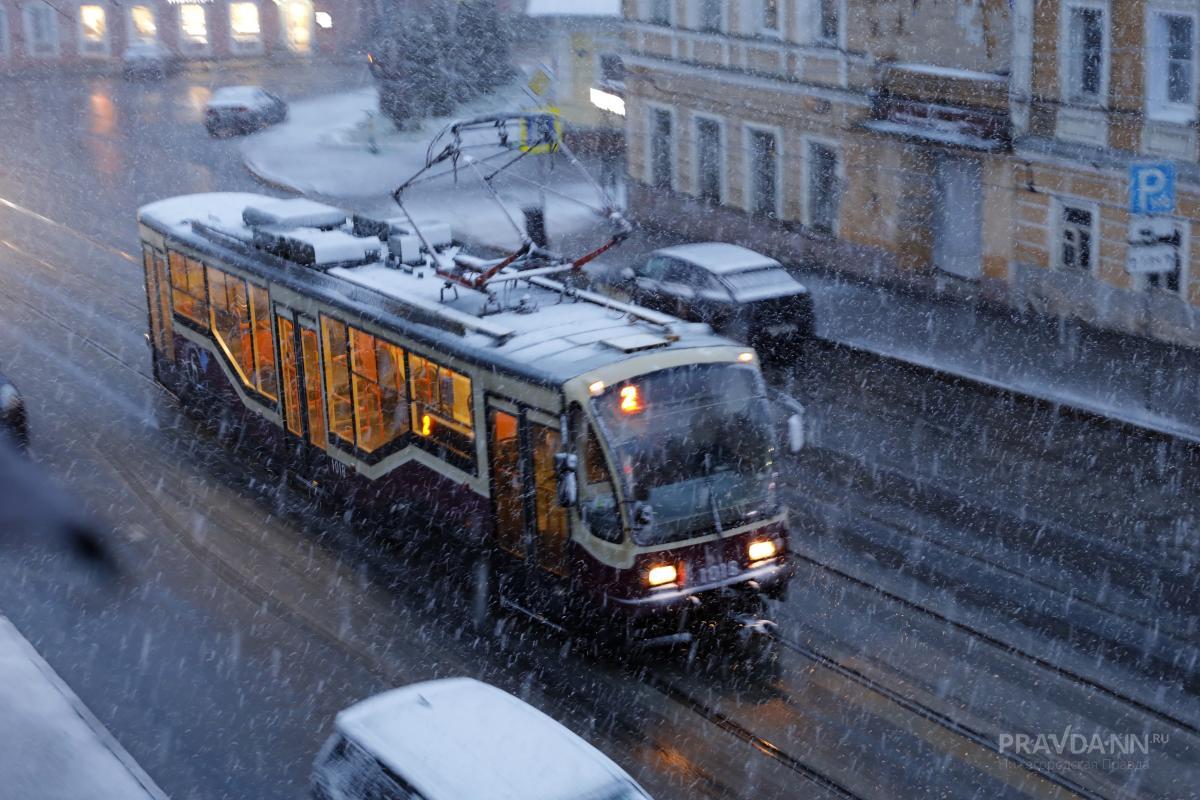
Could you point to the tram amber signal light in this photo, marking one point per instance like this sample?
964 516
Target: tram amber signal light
426 425
661 575
631 400
761 549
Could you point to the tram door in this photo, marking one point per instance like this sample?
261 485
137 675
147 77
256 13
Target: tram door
530 525
157 300
302 390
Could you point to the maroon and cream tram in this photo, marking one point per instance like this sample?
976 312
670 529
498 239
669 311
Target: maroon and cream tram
619 456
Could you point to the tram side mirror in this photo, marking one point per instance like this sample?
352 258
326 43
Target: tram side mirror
795 433
565 466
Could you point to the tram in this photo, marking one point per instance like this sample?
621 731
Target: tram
616 463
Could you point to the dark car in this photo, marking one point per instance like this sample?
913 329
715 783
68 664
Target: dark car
242 109
13 421
741 293
148 60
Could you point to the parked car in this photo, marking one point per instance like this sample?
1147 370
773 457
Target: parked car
456 739
148 60
242 109
13 421
741 293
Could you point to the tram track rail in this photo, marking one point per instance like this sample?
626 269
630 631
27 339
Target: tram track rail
1008 648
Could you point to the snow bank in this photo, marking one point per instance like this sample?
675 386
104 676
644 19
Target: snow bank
51 747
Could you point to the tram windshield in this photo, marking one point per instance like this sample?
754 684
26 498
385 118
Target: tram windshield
695 443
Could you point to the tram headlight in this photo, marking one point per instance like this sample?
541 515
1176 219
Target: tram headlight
761 550
661 575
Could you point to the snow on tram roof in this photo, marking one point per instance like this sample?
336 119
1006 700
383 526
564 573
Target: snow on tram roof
539 332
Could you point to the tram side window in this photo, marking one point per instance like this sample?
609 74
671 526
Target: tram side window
441 407
380 391
187 289
230 308
265 377
338 399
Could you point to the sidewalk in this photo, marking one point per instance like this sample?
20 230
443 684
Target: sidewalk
51 747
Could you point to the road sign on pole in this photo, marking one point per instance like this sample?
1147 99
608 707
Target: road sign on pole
1152 188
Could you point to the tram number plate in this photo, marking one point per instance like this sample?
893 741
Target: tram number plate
711 573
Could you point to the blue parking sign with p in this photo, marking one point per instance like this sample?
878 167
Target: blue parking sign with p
1152 188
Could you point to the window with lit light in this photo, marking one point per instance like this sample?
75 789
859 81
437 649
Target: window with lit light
297 25
244 28
93 30
442 410
142 25
193 26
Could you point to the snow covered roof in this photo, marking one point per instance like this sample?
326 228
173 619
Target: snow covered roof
719 257
574 8
459 738
236 96
540 332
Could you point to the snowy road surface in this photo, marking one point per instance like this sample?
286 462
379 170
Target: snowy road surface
247 618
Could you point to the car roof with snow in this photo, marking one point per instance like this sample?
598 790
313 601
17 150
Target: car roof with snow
237 96
460 738
541 331
719 257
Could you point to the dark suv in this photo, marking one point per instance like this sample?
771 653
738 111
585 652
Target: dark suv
741 293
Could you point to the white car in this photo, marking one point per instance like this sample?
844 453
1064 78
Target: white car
242 109
148 59
459 739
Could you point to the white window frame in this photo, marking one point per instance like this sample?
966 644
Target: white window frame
653 20
839 175
722 156
188 47
5 34
818 28
748 129
1157 105
1065 71
652 110
1059 204
240 47
131 34
722 17
780 23
80 42
26 13
1185 237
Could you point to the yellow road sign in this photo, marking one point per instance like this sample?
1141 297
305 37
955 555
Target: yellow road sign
541 130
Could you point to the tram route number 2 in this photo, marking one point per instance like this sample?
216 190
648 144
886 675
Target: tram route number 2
712 573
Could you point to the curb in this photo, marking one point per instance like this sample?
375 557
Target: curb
98 730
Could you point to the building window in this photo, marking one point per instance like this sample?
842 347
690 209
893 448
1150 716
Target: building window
1173 280
3 33
1085 58
1077 238
711 15
764 171
93 31
612 68
245 33
193 28
769 18
142 25
41 30
660 12
709 161
823 188
661 149
1171 67
830 19
441 410
298 25
189 297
